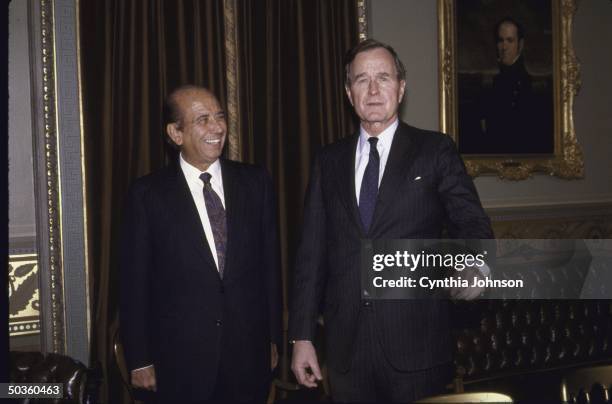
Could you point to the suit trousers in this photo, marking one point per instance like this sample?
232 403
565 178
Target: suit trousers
371 377
226 390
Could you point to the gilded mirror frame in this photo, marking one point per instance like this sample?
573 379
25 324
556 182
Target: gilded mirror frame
46 173
362 20
567 161
59 178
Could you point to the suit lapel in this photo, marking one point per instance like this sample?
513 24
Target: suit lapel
187 216
401 158
234 210
346 181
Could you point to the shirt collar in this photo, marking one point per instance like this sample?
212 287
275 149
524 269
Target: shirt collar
384 139
193 173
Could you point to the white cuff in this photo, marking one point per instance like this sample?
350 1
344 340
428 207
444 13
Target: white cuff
145 367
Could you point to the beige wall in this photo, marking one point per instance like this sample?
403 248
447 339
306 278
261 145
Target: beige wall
410 26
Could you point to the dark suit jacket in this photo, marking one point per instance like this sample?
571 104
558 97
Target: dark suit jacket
176 312
414 334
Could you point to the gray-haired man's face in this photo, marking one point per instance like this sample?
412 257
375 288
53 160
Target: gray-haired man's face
375 92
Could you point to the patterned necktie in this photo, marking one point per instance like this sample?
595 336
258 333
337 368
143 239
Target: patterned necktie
216 215
369 186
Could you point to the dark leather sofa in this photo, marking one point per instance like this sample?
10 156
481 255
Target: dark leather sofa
81 384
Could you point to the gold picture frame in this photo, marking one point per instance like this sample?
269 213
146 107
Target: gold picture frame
566 160
50 282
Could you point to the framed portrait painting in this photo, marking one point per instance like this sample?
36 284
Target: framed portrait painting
508 77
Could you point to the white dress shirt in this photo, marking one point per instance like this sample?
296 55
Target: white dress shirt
196 186
362 154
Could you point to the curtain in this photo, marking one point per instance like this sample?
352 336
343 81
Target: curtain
292 103
132 53
293 100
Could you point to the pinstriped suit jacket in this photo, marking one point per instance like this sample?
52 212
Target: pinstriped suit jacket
414 334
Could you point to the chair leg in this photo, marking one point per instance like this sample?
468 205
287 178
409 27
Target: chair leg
326 387
271 393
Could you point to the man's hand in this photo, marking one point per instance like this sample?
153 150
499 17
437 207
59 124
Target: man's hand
144 378
273 356
470 292
304 364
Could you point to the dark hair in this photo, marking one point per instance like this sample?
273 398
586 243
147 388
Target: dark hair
172 112
365 46
520 32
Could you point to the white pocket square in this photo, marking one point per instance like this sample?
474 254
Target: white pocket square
417 178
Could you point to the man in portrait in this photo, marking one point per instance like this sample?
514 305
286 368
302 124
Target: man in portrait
513 120
509 106
388 181
200 283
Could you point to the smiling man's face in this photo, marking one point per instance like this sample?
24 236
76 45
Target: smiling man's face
374 90
202 129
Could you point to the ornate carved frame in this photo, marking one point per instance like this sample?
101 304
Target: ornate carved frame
362 19
46 175
567 160
59 179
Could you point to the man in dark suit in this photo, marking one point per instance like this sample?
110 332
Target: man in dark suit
200 285
389 181
515 119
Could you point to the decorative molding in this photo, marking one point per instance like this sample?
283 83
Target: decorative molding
568 160
24 295
362 19
71 188
53 277
85 222
571 221
232 75
58 178
446 73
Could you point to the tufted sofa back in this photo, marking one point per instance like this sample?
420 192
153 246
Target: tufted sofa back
80 383
522 335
